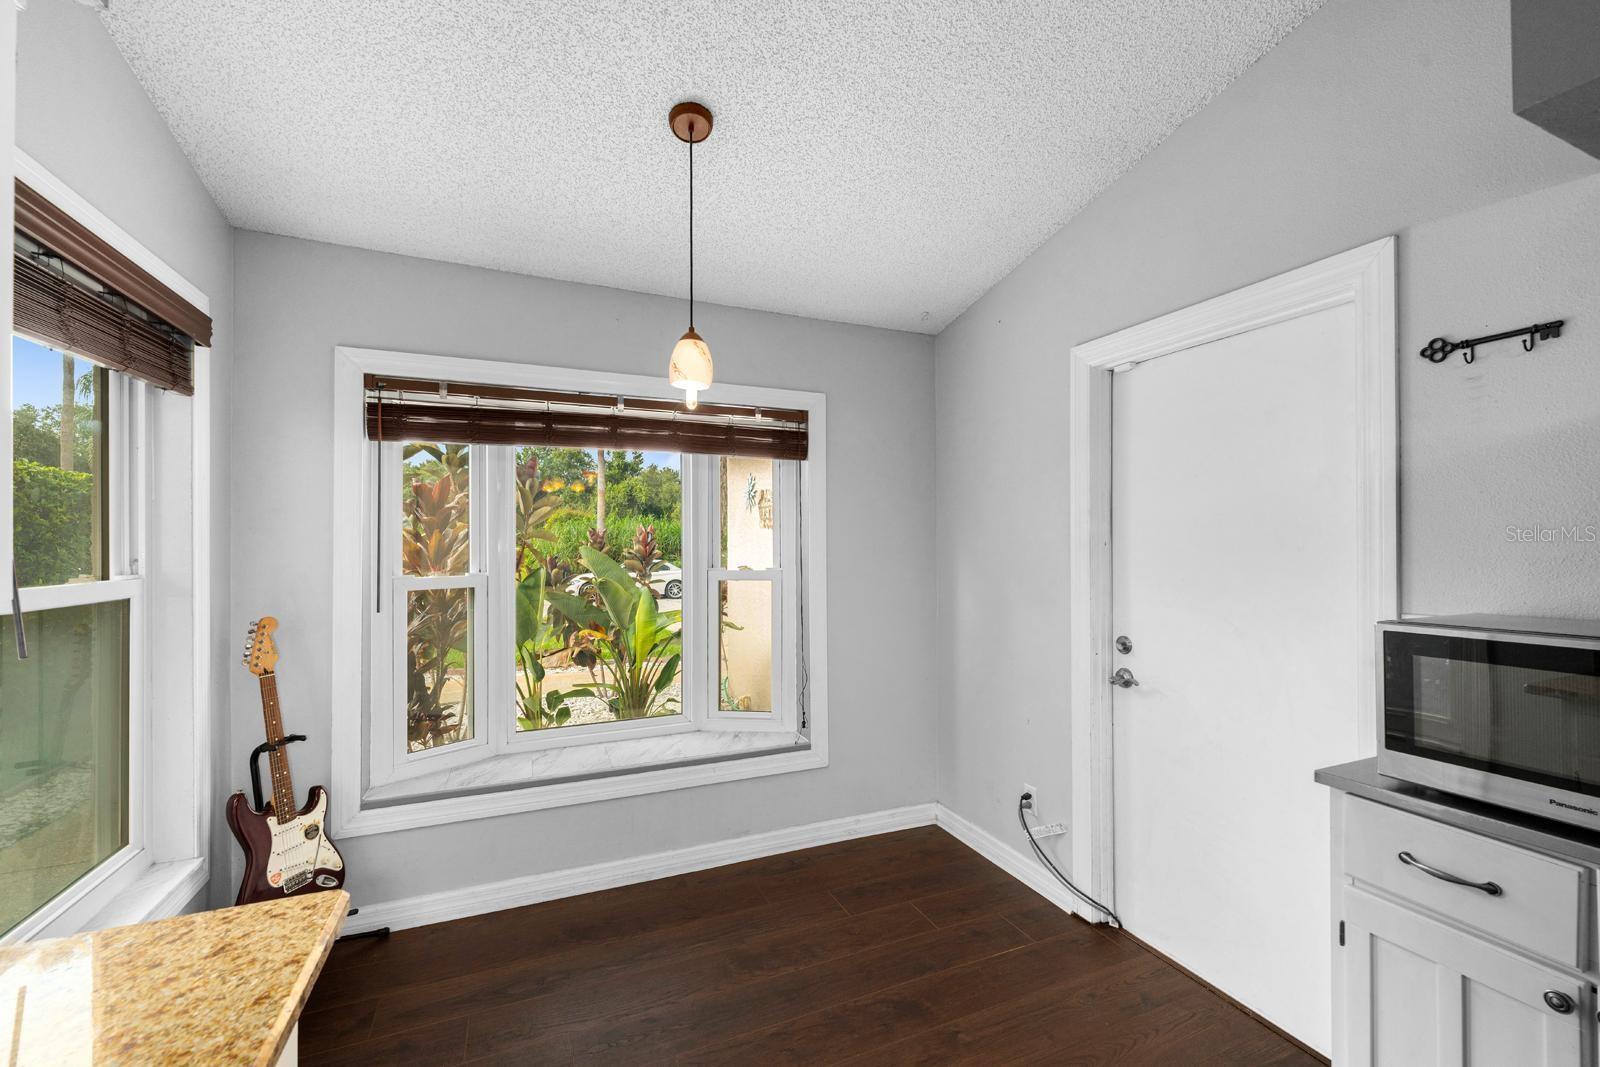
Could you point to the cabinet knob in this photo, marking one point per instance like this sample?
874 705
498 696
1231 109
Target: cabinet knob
1558 1001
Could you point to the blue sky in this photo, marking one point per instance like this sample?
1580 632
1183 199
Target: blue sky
36 374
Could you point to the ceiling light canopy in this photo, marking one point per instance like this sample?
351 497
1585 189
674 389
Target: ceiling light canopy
690 367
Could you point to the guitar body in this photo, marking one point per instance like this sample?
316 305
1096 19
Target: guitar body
285 858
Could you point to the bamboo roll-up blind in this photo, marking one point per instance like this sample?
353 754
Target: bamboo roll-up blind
408 409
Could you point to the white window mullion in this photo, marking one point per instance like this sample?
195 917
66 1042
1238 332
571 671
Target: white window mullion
141 475
119 551
497 680
788 651
699 545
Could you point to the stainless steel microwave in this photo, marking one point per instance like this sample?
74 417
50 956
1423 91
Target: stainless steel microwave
1503 709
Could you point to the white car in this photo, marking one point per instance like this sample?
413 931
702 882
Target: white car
666 580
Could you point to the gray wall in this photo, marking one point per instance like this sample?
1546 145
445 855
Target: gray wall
299 299
1374 117
85 118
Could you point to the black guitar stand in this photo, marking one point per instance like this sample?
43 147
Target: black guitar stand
381 931
255 765
261 805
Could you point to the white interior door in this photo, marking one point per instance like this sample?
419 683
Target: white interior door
1236 518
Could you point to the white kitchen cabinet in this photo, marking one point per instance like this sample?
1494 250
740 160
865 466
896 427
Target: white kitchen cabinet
1460 938
1420 992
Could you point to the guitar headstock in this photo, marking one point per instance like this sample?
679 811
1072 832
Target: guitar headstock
260 654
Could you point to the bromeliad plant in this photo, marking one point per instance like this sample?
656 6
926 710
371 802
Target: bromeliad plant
642 556
631 648
538 635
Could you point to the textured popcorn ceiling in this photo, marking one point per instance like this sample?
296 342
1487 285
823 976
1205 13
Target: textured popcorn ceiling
880 163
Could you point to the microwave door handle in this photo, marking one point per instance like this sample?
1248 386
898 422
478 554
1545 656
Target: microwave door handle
1492 888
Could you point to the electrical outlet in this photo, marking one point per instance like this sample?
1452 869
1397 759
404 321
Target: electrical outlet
1050 829
1030 805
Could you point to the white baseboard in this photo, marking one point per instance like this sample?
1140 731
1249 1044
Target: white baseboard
517 892
1019 862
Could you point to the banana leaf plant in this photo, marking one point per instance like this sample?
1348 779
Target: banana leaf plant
538 635
631 647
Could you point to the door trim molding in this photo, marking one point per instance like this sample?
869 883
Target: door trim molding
1363 277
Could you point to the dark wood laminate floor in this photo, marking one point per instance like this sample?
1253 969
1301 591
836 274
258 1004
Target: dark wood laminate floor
903 948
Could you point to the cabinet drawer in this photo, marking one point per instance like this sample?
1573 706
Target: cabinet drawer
1539 906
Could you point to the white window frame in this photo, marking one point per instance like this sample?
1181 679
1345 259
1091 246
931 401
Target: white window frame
357 683
388 757
783 576
164 864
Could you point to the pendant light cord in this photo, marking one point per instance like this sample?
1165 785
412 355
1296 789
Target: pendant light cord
691 226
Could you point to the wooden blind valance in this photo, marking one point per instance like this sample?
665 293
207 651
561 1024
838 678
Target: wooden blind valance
74 291
410 409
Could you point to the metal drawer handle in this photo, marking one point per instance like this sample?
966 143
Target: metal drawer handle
1409 860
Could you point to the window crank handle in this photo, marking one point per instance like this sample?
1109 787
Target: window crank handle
1124 678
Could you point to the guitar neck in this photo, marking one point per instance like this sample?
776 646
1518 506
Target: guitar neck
283 803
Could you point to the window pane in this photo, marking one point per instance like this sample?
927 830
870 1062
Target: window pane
58 427
435 483
438 668
745 659
748 502
63 751
575 655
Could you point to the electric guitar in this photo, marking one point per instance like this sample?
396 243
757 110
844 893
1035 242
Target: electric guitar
286 851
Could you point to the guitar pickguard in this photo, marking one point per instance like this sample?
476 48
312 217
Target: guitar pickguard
300 848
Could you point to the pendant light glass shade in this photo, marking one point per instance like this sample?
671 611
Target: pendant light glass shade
690 369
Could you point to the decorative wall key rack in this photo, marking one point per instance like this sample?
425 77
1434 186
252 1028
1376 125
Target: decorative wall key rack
1438 350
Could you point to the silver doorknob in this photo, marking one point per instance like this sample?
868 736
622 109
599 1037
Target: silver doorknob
1124 678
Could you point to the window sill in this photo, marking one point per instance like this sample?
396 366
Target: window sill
126 889
577 774
161 892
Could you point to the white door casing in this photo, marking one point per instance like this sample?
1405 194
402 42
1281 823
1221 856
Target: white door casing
1355 288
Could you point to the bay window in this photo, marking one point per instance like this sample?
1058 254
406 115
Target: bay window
559 585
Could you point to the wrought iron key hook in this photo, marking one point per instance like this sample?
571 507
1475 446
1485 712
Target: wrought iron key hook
1438 350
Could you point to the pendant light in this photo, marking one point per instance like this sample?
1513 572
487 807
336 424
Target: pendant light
690 369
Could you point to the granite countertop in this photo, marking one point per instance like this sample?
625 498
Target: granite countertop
1362 779
216 987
